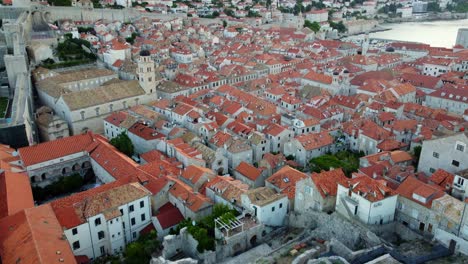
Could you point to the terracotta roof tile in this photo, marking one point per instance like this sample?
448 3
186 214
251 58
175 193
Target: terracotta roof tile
34 236
75 209
168 216
54 149
327 181
285 180
414 186
370 189
248 171
315 140
15 193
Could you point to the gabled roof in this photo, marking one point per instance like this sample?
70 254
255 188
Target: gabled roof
327 181
168 216
228 188
414 186
193 173
274 129
34 236
75 210
248 171
285 180
442 178
368 188
54 149
116 118
318 77
313 141
15 193
193 201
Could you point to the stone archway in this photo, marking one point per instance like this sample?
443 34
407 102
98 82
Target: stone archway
76 167
253 240
43 176
66 170
236 249
86 165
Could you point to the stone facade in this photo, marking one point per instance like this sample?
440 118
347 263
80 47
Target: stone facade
308 198
449 153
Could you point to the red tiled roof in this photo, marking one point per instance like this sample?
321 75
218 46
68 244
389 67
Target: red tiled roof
372 190
147 229
74 210
55 149
193 173
155 185
274 130
152 155
114 162
194 201
327 181
15 193
285 180
442 178
412 185
315 140
377 75
248 171
318 77
34 236
169 216
143 131
116 118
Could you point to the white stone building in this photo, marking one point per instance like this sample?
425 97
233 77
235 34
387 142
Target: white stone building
83 98
269 207
366 200
103 220
449 153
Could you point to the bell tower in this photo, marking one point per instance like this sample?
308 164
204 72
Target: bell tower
145 73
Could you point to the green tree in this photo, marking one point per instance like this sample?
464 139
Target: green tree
433 7
123 143
417 155
229 12
203 230
253 14
140 251
224 23
338 26
68 36
314 26
346 160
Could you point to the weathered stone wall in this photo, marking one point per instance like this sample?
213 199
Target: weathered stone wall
309 254
161 260
53 13
228 247
331 226
183 242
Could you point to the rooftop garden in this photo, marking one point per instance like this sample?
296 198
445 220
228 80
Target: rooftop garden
203 230
71 52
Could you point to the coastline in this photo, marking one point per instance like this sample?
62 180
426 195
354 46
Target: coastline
432 17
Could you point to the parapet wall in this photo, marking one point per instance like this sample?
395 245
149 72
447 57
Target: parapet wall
53 13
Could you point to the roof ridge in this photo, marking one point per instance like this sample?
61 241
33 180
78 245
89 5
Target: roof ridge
32 235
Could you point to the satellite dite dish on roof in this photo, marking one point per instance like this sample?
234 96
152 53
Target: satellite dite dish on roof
14 153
